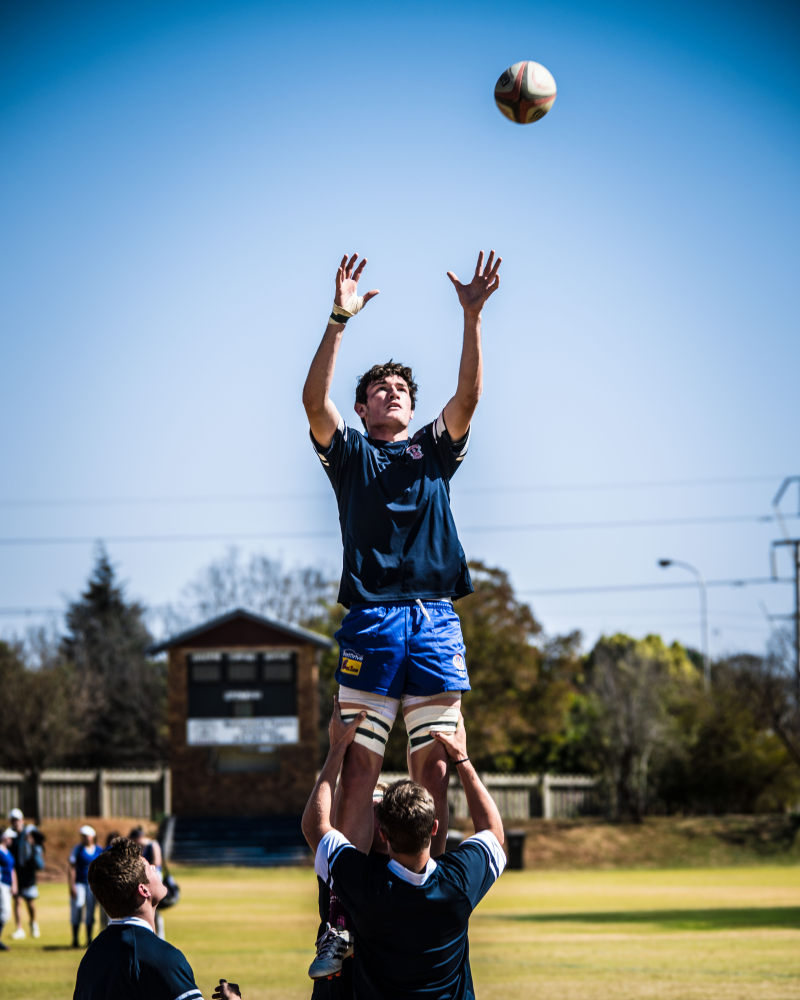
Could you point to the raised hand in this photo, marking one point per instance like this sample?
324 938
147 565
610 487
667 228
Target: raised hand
454 743
338 729
347 285
484 283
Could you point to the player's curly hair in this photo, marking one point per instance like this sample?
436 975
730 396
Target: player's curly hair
406 815
378 372
115 877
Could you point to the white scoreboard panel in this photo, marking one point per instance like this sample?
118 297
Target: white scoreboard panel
242 698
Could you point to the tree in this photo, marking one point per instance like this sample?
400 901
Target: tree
729 758
633 685
39 724
121 694
301 595
774 686
522 683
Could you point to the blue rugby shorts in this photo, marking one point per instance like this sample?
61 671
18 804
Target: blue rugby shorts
395 649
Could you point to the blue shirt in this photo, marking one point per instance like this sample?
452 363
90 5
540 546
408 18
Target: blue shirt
81 857
398 533
411 928
6 865
129 962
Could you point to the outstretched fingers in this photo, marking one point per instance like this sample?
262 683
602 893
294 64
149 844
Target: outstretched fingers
492 264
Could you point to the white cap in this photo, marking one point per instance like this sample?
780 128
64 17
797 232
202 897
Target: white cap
8 832
87 831
16 814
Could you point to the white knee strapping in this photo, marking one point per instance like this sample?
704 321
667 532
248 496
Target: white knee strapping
372 732
421 716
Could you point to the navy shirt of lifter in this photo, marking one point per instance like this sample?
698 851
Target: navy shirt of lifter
422 917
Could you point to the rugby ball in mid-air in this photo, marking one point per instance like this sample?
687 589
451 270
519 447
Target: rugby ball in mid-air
525 92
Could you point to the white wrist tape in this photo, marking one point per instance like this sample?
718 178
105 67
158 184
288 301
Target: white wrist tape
341 314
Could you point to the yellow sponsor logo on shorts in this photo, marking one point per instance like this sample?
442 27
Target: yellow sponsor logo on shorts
351 663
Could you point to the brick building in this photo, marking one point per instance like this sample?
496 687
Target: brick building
242 716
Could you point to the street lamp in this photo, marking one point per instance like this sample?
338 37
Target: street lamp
664 563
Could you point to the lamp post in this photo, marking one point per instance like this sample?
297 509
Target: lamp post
664 563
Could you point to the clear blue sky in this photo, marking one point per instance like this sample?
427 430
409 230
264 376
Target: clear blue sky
179 181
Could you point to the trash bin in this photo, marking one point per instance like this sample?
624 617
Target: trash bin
516 848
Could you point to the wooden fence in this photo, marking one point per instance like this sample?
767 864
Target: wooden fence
147 794
67 794
530 796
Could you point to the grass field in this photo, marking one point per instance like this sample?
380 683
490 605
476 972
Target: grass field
688 934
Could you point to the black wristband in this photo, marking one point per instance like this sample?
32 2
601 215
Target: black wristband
339 319
462 761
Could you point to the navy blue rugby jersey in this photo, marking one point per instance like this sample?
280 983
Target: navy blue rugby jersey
398 533
411 928
128 961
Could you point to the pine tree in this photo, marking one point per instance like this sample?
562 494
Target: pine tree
120 694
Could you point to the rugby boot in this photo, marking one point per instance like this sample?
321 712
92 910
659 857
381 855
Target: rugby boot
333 947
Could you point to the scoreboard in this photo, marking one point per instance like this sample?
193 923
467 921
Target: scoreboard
242 699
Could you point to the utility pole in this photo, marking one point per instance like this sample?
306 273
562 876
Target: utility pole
795 545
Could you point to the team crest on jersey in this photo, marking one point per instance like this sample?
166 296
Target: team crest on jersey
459 666
414 450
351 662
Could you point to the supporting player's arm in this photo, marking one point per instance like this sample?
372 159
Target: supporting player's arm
460 408
316 820
323 417
482 808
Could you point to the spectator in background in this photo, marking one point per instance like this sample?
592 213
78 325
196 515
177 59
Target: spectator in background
8 880
151 852
80 892
27 849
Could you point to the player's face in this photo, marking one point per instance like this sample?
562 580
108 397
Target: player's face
154 883
388 405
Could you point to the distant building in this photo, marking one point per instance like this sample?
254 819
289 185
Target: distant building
242 716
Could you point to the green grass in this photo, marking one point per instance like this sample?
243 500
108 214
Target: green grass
701 934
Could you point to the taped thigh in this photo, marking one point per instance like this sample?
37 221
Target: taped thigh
422 714
372 732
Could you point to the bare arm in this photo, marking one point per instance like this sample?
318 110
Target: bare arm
460 408
323 417
482 808
316 820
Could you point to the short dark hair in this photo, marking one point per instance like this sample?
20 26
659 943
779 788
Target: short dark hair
115 877
379 372
406 815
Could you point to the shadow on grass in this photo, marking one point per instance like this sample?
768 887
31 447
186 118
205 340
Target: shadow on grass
786 917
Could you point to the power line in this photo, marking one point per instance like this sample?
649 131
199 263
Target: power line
629 587
466 490
669 522
609 588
